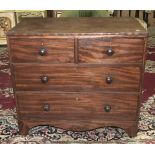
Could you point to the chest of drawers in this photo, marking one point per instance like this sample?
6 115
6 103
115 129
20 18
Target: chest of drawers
78 73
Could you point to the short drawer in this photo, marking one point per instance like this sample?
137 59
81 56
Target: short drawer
54 50
76 106
112 50
80 78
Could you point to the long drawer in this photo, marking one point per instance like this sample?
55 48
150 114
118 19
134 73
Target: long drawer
111 50
76 78
54 50
76 106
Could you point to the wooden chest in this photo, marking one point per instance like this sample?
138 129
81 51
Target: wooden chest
78 73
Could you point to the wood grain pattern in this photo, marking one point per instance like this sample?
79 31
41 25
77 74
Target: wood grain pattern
126 50
27 50
80 78
74 106
74 91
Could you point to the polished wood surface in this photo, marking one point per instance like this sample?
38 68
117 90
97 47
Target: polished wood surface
54 52
78 74
125 50
80 78
70 106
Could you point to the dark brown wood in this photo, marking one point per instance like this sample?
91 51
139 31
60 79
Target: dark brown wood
79 78
76 56
50 13
137 14
120 13
125 50
58 50
78 73
23 127
129 13
142 77
89 106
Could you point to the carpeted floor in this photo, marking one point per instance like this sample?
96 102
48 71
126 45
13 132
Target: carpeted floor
48 134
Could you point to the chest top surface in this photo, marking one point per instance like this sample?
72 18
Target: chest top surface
78 26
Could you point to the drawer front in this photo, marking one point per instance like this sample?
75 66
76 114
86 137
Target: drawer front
81 78
42 50
75 106
116 50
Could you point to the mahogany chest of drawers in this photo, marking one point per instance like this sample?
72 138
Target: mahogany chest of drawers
78 73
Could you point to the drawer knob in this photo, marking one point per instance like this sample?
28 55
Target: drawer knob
107 108
109 79
110 52
44 79
42 51
46 107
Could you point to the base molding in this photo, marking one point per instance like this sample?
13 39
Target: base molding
130 128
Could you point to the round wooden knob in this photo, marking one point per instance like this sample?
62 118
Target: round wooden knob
44 79
109 79
42 51
110 52
107 108
46 107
